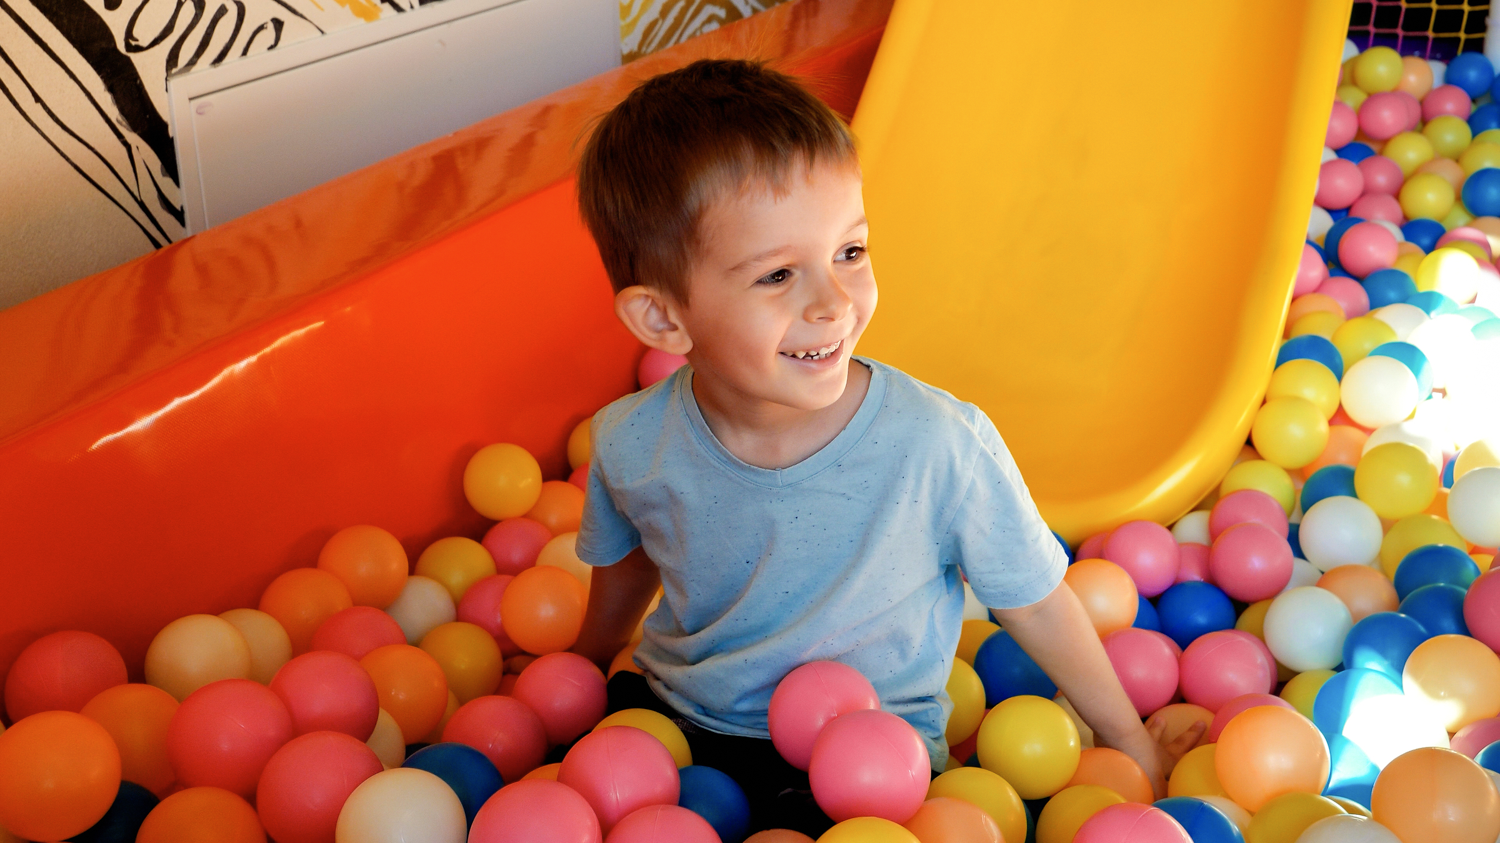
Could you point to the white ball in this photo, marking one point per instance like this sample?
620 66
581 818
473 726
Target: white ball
1340 531
402 805
1474 506
1350 50
1329 155
1378 391
1402 317
1448 341
1347 828
1412 432
1237 815
424 604
1438 416
1439 72
1488 296
973 609
1305 628
1192 528
1392 228
1304 573
1318 223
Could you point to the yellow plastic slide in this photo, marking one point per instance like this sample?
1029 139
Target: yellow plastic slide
1086 217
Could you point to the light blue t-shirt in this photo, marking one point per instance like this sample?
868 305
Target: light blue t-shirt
852 555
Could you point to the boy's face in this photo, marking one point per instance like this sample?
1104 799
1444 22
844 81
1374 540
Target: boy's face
782 289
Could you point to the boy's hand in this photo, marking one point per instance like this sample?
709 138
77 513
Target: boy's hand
1149 747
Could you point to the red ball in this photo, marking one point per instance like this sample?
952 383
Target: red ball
869 763
1339 183
328 691
61 672
1342 126
663 823
1366 247
224 733
1145 665
535 811
1446 99
1246 506
1310 272
307 781
1219 666
1382 175
357 631
1384 115
580 477
481 606
566 691
516 543
1147 552
619 770
1378 206
1350 295
506 730
1250 562
1092 547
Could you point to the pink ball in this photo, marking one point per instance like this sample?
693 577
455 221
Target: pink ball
1470 234
326 691
1310 273
619 770
515 544
869 764
1250 562
1131 822
504 729
1446 99
306 783
1350 295
356 631
1384 115
1146 667
61 672
566 691
1193 565
224 733
1170 644
580 477
808 699
1382 176
1220 666
480 606
663 824
1366 247
1092 547
1342 126
1413 110
1147 552
1378 206
1246 506
1339 184
1476 736
1482 609
536 811
656 365
1237 705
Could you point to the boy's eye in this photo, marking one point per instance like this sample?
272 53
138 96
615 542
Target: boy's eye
776 277
851 253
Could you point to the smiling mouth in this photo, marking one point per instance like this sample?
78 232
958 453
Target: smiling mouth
823 353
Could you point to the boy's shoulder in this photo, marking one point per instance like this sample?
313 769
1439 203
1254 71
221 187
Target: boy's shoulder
638 418
922 410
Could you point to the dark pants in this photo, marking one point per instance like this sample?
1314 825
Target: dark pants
779 794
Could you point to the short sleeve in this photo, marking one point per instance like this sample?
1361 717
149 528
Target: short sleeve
997 536
605 535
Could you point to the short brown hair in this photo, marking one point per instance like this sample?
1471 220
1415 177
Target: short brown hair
680 140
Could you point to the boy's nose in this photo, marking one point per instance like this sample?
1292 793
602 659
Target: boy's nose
830 301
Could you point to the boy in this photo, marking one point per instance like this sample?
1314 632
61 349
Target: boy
795 502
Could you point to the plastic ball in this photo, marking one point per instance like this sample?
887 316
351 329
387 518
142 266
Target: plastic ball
1305 628
59 772
663 822
1286 817
1347 828
1382 642
1267 751
327 691
1482 609
566 691
1410 150
402 805
410 686
1388 286
1194 774
1310 271
1307 380
1345 446
966 690
656 365
1147 552
1474 506
1115 770
1348 292
61 672
1314 348
469 657
122 822
536 811
1358 336
972 634
515 544
869 763
1220 666
1260 476
1339 183
136 717
194 651
1191 609
1396 479
542 610
1008 671
1378 69
716 798
1439 608
1203 821
619 770
1192 528
505 730
1065 813
1302 690
369 561
1472 73
424 605
988 791
1412 532
270 647
502 481
1426 195
1250 562
223 734
1436 795
1342 126
1481 453
1437 563
202 815
471 775
356 631
1366 247
1179 717
480 606
1457 676
1193 566
1450 135
1031 743
1446 99
1229 710
1474 737
306 783
1145 665
562 553
456 563
1411 357
1131 823
301 599
1383 177
1107 592
656 725
1339 530
946 820
1246 506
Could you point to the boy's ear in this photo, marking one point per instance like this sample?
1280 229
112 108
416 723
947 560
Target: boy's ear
653 317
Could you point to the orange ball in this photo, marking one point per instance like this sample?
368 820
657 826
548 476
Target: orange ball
301 599
202 815
578 444
469 657
194 651
502 481
411 687
1435 795
1107 593
1450 171
542 610
943 819
369 561
1416 77
1180 717
136 717
59 773
1312 303
1345 444
1266 751
1115 770
1458 675
559 507
1364 590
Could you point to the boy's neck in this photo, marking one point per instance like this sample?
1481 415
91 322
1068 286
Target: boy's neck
774 436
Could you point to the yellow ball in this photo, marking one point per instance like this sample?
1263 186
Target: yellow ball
1320 322
1377 70
1031 743
1253 619
1452 270
502 481
1479 155
1351 96
1408 264
1449 135
1427 195
1481 453
193 651
1290 432
1356 338
1409 150
578 444
1457 216
989 793
1263 476
1307 379
1396 480
1195 775
973 634
967 693
658 726
1062 816
457 563
1352 807
469 657
1283 819
1303 688
867 830
1412 532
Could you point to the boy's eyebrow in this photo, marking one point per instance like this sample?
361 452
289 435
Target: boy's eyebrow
771 253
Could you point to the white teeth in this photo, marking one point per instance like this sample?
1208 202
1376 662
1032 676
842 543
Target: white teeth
818 354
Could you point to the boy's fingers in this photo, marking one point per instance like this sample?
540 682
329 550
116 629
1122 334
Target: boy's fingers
1185 741
1156 727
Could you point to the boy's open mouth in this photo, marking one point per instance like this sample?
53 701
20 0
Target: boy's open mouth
815 354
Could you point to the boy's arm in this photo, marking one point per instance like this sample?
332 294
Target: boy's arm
618 596
1057 633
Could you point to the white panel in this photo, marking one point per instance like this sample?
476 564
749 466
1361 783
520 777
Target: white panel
266 127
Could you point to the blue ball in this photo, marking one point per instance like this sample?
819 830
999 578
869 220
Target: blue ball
1434 563
1351 773
1382 642
464 769
1488 330
1433 303
124 817
1007 671
1337 214
1319 249
1337 271
1066 549
1293 538
1388 286
1412 357
1203 822
1312 347
1330 481
1335 234
1439 608
1448 473
1423 232
1484 118
1343 691
1146 616
1489 757
1191 609
1355 151
1476 314
1472 72
1481 192
717 798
